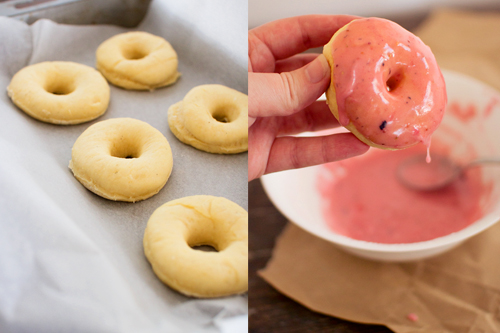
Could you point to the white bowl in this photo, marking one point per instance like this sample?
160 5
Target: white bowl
295 193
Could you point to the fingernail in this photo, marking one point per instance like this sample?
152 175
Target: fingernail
318 69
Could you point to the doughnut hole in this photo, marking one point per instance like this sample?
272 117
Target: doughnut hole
225 113
60 85
200 242
127 149
395 80
204 248
208 237
134 52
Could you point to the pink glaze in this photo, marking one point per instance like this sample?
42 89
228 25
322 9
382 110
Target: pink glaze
412 317
362 199
416 173
463 113
489 108
387 82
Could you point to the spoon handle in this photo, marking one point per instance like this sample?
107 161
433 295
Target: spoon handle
485 160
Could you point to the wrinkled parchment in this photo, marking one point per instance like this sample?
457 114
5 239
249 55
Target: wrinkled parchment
71 261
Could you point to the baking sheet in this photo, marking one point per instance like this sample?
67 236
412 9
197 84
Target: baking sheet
71 261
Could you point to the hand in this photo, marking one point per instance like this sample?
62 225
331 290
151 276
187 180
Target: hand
283 87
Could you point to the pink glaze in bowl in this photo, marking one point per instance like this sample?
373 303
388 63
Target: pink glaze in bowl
470 127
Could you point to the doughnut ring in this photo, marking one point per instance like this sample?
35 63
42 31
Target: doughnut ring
213 118
60 92
137 60
179 225
386 87
122 159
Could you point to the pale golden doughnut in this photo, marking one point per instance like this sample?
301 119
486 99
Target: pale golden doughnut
213 118
137 60
122 159
60 92
179 225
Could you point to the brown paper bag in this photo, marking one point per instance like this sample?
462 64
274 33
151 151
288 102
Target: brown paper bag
458 291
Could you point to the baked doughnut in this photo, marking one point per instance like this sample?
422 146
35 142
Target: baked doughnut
137 60
60 92
386 86
122 159
213 118
179 225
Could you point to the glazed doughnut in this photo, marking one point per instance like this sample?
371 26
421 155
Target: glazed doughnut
122 159
386 86
179 225
213 118
60 92
137 60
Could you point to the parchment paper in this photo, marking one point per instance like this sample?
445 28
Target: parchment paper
457 292
71 261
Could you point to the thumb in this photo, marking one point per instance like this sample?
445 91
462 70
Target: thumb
273 94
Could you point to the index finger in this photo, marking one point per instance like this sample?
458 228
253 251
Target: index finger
293 35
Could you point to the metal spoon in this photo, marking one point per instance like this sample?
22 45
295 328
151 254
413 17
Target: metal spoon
415 173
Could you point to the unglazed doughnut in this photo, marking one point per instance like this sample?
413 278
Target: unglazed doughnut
122 159
213 118
60 92
137 60
179 225
386 86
